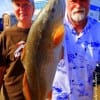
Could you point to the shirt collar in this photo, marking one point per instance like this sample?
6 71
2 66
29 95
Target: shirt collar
90 23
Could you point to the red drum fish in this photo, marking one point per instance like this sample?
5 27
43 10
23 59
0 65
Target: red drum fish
43 48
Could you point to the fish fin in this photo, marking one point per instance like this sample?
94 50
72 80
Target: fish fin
58 35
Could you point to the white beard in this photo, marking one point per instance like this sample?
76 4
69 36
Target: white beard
78 14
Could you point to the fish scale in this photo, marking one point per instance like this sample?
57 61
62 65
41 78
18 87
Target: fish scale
43 48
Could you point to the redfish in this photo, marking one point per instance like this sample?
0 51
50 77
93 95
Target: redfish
43 48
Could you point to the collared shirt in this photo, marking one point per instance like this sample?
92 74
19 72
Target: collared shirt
73 78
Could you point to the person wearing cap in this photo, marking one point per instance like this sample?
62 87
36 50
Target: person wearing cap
12 42
74 76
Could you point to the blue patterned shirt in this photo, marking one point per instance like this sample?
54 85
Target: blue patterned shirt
74 75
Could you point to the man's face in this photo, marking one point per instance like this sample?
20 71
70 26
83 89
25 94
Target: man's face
23 10
77 9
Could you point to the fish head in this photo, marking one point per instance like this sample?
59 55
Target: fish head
55 14
57 11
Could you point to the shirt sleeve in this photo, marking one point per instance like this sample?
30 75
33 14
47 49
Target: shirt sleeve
60 88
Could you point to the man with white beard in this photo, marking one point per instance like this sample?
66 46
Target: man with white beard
74 75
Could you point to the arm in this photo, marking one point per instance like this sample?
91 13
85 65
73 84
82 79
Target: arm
2 66
2 72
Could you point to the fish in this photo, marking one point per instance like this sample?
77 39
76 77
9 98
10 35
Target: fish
43 48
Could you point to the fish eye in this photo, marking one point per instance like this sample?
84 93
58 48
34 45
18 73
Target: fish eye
53 10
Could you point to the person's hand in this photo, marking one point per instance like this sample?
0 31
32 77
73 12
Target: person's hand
49 96
26 90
